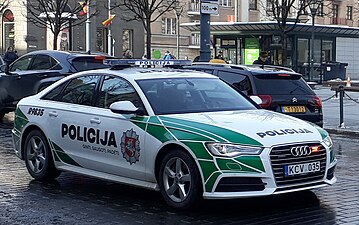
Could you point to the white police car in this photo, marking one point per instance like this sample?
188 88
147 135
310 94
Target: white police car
185 133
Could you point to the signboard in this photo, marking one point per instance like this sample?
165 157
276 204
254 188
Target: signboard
251 50
209 8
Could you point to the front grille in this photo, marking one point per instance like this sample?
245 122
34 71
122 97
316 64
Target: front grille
239 184
281 156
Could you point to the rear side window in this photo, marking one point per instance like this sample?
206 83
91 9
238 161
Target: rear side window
88 63
281 84
240 81
44 62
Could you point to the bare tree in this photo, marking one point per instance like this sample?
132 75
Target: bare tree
55 15
3 5
283 11
146 11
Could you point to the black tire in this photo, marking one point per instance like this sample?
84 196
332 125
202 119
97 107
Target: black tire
2 114
178 172
38 157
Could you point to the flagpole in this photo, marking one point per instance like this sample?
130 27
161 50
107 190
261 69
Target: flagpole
109 35
88 27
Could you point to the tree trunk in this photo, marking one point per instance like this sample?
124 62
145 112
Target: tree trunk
148 39
56 34
284 49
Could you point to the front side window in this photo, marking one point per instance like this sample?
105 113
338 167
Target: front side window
21 64
117 89
79 90
190 95
44 62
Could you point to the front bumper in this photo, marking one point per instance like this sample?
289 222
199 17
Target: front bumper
249 184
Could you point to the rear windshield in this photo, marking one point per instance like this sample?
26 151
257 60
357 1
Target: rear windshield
281 84
88 63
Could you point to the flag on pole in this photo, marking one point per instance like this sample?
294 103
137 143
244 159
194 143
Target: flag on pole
108 21
85 8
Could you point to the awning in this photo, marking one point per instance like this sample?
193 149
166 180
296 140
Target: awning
271 27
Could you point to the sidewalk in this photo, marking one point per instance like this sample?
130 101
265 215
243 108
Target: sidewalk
331 111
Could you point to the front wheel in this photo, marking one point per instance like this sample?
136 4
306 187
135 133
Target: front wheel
38 157
179 180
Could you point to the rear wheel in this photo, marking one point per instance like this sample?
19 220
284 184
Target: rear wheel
179 180
38 157
2 114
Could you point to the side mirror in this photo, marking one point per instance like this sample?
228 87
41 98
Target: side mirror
256 99
126 107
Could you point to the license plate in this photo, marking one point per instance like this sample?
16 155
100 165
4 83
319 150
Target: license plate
290 170
293 109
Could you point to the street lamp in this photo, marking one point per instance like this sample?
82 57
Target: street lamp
313 11
178 8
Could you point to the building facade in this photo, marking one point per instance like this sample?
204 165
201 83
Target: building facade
236 40
25 36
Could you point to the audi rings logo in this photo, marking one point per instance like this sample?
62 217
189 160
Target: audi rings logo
300 150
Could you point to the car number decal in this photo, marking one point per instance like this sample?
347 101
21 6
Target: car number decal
35 111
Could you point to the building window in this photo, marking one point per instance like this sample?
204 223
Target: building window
195 39
253 4
169 25
335 11
127 40
226 3
320 11
349 12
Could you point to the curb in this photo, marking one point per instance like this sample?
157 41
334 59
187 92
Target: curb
342 131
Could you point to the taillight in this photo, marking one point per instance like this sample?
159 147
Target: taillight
266 100
317 101
100 58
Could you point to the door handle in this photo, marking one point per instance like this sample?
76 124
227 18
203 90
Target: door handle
95 120
53 114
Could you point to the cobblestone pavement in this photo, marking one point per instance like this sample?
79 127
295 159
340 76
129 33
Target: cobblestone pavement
75 199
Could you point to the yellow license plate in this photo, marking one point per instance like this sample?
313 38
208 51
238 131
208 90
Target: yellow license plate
293 109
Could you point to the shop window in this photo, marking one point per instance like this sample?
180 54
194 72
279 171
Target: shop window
101 34
127 40
9 29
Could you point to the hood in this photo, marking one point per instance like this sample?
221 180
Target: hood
262 127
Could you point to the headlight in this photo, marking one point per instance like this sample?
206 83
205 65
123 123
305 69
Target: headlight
328 141
232 150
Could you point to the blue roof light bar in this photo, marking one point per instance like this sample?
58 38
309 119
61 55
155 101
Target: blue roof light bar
145 62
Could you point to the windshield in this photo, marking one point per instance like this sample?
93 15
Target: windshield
188 95
281 85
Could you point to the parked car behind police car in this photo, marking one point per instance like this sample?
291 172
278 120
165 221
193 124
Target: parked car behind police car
36 70
185 133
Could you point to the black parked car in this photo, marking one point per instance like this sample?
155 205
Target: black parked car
280 89
36 70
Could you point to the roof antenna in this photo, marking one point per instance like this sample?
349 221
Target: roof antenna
262 66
